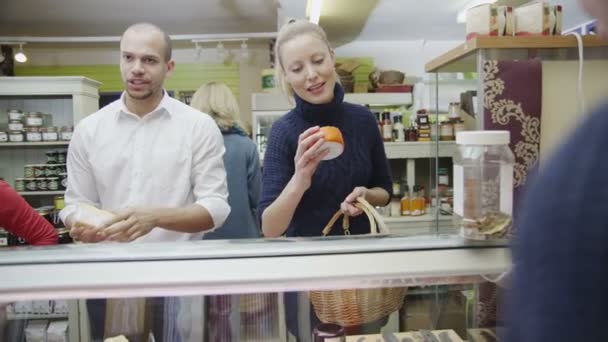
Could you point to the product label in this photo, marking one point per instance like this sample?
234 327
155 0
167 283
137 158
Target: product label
458 190
66 135
3 137
15 126
33 121
34 137
506 189
52 136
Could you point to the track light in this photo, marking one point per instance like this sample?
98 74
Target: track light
244 51
20 56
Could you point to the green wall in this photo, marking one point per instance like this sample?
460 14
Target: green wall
186 76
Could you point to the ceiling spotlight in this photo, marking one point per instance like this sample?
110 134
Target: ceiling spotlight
222 53
244 51
20 56
199 50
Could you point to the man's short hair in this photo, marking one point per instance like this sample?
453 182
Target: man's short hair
143 26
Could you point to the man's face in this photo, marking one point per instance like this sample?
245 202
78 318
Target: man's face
142 63
599 10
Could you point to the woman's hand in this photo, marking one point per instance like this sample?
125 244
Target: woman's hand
348 206
308 156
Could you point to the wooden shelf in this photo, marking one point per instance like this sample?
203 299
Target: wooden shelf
32 144
455 59
41 193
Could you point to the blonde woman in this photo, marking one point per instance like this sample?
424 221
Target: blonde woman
241 161
300 193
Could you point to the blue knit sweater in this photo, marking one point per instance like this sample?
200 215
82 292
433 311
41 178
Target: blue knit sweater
560 283
363 163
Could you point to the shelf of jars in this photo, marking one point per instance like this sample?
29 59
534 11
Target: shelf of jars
41 193
34 144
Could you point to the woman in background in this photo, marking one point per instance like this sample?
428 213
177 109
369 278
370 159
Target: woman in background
241 161
243 175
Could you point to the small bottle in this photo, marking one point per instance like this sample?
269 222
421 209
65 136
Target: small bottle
415 203
412 134
405 201
399 129
387 127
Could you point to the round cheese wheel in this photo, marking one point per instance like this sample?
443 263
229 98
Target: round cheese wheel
333 141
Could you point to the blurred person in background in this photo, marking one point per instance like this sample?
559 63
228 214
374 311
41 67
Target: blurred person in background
560 281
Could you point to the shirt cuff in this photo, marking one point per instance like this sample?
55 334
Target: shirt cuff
67 212
218 209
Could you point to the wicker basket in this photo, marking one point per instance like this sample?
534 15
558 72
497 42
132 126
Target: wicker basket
357 306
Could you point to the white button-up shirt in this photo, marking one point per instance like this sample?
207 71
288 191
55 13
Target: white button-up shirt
172 157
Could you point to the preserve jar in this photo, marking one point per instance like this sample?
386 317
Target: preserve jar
20 184
32 134
66 133
34 119
49 133
52 183
15 136
3 136
31 184
15 114
15 125
483 184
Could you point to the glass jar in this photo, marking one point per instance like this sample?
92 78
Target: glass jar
62 156
446 131
50 170
66 133
32 134
59 202
39 170
458 126
15 114
3 136
53 183
34 119
20 184
41 184
28 171
483 184
15 136
15 125
49 133
64 181
52 157
31 184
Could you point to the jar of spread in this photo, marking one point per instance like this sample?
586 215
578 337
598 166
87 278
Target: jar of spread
64 181
15 136
446 131
49 133
59 202
66 133
15 114
52 183
32 134
62 156
3 136
50 170
31 184
15 125
28 171
20 184
52 157
34 119
41 184
39 170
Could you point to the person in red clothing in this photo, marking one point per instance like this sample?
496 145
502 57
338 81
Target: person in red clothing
20 219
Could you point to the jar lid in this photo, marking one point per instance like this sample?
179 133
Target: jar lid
483 138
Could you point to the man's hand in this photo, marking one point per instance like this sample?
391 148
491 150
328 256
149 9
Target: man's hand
85 233
129 224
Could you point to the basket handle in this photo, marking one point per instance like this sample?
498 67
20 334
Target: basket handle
375 219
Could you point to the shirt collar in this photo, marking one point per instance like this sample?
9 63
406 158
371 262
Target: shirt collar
162 108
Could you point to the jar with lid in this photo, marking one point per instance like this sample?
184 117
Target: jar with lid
62 156
483 184
34 119
52 183
41 184
49 133
20 184
32 134
52 157
446 131
39 170
31 184
15 114
66 133
454 110
15 136
458 126
63 181
3 136
15 125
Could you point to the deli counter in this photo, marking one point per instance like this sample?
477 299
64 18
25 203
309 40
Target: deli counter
286 289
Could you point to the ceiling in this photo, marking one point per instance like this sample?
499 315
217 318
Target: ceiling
344 20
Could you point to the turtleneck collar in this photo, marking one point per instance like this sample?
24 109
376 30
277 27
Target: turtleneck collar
322 114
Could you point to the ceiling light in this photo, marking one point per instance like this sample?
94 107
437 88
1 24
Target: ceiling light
244 51
462 14
199 51
314 13
20 56
222 53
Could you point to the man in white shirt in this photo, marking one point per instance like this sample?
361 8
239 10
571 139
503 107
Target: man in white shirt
153 161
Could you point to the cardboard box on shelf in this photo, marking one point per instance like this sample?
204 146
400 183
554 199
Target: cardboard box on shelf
538 18
57 332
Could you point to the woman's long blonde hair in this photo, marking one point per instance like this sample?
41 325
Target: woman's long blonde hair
289 31
217 100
